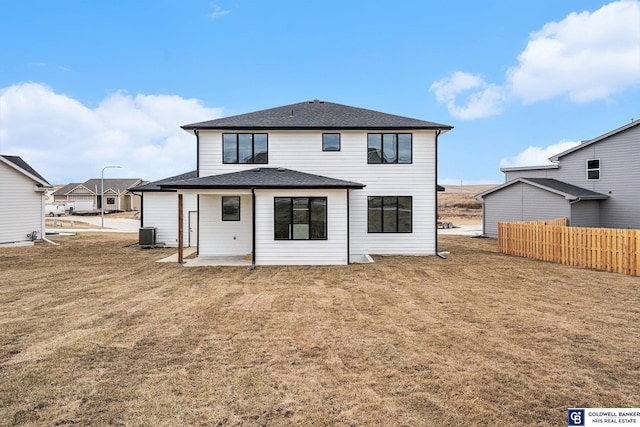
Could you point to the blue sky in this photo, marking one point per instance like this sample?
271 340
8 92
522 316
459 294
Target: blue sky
84 84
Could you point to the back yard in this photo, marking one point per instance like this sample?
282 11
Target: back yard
92 332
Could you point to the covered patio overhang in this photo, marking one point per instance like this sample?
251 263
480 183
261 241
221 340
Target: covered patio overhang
247 182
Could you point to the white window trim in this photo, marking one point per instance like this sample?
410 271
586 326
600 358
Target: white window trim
599 169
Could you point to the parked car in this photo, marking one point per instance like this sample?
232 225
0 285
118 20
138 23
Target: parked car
54 210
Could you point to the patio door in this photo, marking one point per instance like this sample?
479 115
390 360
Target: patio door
193 228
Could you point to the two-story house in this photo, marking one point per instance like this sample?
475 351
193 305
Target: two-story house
314 183
594 184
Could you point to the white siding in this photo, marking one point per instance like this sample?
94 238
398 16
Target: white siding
22 208
302 151
160 210
223 238
301 252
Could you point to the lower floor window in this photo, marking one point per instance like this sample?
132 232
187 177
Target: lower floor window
389 214
300 218
230 208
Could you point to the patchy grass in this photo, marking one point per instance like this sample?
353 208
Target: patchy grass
92 332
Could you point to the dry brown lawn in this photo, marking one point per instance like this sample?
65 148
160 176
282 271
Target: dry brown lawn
95 333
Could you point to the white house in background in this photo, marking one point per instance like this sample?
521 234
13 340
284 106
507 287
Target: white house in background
314 183
87 195
22 191
594 184
159 209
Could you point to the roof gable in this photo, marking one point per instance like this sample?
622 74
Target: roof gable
568 191
317 115
66 189
589 142
23 167
118 185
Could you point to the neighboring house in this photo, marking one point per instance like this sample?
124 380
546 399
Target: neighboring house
87 195
594 184
314 183
159 209
22 191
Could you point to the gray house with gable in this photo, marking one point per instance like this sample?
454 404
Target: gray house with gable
594 184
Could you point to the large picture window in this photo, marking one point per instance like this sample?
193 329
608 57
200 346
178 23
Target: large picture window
593 169
389 148
389 214
231 208
245 148
300 218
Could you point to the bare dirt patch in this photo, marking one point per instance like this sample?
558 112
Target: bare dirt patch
92 333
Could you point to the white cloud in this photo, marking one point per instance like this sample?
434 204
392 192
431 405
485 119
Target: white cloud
586 57
537 156
484 100
217 12
67 141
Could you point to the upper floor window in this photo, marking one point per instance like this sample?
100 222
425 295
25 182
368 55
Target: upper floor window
330 142
389 214
389 148
245 148
593 169
300 218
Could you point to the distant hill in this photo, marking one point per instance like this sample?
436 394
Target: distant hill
467 189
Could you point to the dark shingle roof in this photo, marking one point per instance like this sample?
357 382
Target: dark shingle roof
119 185
262 178
17 160
155 185
317 115
66 189
569 191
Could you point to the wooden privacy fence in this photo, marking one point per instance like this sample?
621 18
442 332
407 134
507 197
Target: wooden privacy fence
605 249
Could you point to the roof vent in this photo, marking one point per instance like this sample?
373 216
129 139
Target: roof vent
291 114
257 170
281 169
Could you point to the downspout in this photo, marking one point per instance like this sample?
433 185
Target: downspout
253 227
348 231
435 188
197 134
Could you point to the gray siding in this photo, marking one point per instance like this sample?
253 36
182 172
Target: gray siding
502 206
521 202
530 173
585 214
619 156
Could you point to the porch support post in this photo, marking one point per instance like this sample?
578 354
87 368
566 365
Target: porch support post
180 230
